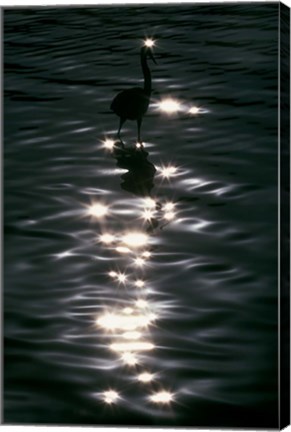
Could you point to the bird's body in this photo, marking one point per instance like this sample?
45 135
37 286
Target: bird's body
132 104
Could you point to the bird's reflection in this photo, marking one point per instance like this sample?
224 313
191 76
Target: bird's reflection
139 179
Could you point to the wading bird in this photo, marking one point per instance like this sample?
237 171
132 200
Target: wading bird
132 104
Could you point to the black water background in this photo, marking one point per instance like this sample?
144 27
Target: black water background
62 68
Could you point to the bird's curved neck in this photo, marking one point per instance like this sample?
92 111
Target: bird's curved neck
146 74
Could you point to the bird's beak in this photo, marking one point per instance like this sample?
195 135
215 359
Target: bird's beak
152 56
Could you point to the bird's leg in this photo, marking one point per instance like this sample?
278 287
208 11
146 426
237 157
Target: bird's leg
121 122
139 120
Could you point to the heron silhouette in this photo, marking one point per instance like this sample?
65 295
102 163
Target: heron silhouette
132 104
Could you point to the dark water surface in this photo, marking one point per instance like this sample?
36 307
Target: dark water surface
211 279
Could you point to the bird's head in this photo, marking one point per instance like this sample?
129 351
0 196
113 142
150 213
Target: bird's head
147 49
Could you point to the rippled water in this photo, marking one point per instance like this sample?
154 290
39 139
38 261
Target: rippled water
211 279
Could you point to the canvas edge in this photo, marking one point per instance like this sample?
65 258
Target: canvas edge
284 213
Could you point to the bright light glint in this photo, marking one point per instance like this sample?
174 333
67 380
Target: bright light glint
149 43
145 377
149 203
128 311
139 283
97 210
132 346
123 249
112 274
107 238
142 304
162 397
129 358
121 277
169 215
169 106
131 335
112 321
110 396
146 254
139 261
169 206
148 214
168 171
108 144
194 110
135 239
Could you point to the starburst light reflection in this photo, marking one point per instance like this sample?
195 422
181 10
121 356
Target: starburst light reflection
108 144
139 261
168 171
110 396
98 210
170 106
169 215
121 277
149 43
163 397
145 377
169 206
148 214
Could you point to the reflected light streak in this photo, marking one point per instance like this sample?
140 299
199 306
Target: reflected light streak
194 110
162 397
145 377
112 274
142 304
112 321
97 210
146 254
139 283
131 335
107 238
128 311
131 346
123 249
169 106
64 254
135 239
129 358
110 396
